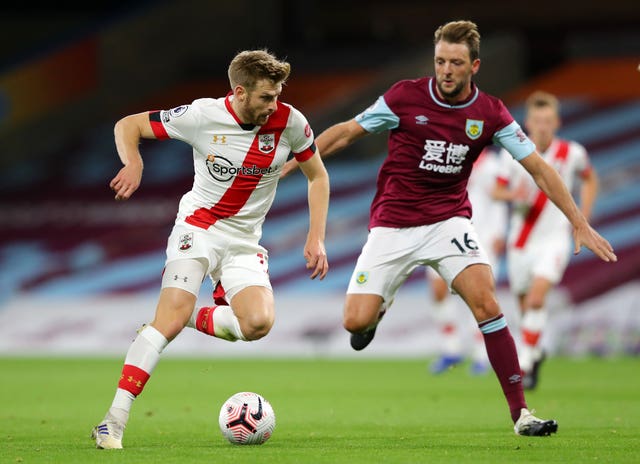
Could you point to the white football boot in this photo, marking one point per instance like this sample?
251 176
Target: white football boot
108 434
529 425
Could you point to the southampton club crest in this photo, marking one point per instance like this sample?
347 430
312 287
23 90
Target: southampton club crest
474 128
266 142
186 241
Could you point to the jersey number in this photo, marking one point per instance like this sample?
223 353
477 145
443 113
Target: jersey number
468 242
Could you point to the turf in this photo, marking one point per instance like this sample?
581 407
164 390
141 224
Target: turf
328 411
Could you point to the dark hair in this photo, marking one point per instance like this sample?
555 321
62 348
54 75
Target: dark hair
460 32
250 66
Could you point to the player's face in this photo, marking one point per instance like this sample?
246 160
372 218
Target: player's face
542 124
256 105
454 69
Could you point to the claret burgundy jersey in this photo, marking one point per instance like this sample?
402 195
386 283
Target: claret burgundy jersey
432 146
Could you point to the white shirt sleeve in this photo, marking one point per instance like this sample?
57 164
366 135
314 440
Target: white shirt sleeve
183 122
300 133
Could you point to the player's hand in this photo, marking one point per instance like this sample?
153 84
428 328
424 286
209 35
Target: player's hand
588 237
126 182
288 168
316 258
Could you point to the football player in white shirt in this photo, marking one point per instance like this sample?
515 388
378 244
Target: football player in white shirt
539 241
490 221
240 143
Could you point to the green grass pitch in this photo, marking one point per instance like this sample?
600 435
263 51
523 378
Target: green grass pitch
328 411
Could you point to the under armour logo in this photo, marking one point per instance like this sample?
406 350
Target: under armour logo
177 277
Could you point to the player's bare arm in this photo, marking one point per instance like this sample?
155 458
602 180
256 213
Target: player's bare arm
314 250
331 141
550 182
128 131
589 192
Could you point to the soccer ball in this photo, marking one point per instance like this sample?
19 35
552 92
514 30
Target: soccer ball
246 418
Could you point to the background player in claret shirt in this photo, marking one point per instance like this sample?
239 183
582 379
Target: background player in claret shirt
420 214
539 242
490 222
240 143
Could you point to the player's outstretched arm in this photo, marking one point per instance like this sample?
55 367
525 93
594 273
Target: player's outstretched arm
127 132
589 192
331 141
550 182
314 250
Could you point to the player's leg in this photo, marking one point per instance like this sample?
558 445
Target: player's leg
243 299
476 286
532 325
494 247
254 309
362 313
175 305
445 317
539 269
383 265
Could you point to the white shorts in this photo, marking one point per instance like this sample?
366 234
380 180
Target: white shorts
391 255
548 261
235 263
488 248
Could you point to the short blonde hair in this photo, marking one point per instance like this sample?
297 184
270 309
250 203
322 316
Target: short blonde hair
541 99
250 66
460 32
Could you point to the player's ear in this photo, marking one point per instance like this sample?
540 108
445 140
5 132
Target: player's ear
240 92
475 66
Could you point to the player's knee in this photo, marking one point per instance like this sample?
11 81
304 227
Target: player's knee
169 328
257 324
535 301
172 316
486 309
356 322
360 312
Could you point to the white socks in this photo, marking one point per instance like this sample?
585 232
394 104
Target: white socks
531 327
143 356
444 314
218 321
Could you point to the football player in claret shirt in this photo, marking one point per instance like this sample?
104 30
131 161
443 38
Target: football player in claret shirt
539 242
240 144
420 215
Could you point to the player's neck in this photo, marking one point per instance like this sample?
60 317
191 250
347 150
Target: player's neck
237 109
543 144
464 95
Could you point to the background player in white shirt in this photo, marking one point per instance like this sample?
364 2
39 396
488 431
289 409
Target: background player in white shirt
539 242
240 143
490 222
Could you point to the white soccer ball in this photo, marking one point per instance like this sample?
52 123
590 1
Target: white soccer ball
246 418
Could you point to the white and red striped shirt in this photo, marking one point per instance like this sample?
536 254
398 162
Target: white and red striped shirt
537 220
237 166
489 215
